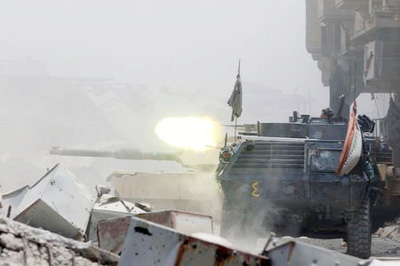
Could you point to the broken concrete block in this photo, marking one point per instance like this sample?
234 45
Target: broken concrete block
387 232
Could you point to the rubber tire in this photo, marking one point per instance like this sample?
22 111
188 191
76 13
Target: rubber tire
359 231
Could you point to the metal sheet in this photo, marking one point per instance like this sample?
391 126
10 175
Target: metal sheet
58 203
11 201
112 208
111 233
151 244
298 253
183 222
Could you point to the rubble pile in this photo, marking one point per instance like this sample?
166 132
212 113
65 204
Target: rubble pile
390 232
24 245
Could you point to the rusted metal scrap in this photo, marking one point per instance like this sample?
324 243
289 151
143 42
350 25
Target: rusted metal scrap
108 207
148 243
112 233
184 222
21 244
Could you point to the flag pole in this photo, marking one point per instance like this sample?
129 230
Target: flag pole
235 126
235 115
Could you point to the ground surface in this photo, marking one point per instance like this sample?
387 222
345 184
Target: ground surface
384 245
380 247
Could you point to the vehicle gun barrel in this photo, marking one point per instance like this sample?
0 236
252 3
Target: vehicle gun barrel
127 154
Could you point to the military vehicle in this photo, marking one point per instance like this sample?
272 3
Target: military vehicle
283 178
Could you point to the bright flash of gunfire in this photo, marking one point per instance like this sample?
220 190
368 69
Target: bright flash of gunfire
195 133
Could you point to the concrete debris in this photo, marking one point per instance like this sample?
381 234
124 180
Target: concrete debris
24 245
101 190
390 232
112 233
57 202
144 206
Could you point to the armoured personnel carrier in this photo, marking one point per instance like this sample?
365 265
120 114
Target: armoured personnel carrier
283 178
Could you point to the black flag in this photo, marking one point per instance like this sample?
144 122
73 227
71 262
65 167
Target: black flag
235 101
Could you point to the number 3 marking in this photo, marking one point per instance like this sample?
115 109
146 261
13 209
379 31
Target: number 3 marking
255 192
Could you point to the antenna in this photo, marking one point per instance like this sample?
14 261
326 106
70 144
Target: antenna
239 68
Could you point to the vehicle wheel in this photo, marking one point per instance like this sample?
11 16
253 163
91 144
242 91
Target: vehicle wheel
359 231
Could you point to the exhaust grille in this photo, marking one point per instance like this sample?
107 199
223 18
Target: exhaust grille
272 155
